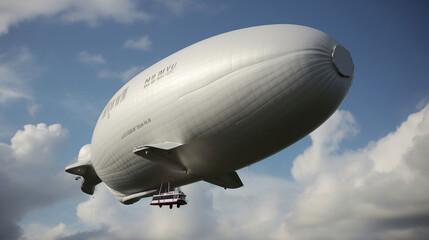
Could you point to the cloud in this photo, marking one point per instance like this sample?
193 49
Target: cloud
177 7
15 12
142 43
212 213
130 73
17 68
82 108
100 234
93 11
90 12
29 179
36 231
180 7
422 103
11 84
376 192
123 76
33 108
85 57
7 94
340 126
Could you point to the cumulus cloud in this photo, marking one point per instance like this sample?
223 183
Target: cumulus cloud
341 125
90 11
376 192
36 231
142 43
85 57
212 213
28 177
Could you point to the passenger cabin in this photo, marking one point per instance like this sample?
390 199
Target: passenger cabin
171 198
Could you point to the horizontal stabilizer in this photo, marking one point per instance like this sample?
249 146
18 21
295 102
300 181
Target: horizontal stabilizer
90 177
163 154
229 180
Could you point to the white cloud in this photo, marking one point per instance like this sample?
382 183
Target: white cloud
346 194
130 73
378 192
33 108
12 85
123 76
82 108
29 178
36 231
85 57
14 12
177 7
41 138
142 43
252 212
17 68
340 125
422 103
95 10
90 11
180 7
7 94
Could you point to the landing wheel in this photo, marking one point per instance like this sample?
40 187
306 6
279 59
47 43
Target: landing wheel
178 205
160 206
171 206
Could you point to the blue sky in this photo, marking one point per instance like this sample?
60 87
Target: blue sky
61 61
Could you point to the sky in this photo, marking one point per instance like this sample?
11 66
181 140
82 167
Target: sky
364 174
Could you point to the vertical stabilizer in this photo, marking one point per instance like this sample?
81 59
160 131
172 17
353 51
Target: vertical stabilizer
83 167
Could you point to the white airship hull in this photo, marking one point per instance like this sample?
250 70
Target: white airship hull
217 106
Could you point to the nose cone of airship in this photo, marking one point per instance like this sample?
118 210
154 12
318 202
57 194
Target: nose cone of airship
343 66
341 74
342 61
320 73
333 77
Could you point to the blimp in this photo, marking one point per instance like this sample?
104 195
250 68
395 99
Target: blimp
212 108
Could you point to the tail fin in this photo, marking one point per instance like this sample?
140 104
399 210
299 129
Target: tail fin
83 167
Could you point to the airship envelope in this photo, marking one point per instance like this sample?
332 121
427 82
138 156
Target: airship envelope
214 107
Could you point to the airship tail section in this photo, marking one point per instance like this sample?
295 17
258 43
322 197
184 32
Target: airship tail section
83 167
